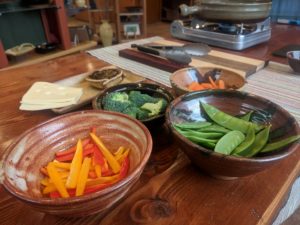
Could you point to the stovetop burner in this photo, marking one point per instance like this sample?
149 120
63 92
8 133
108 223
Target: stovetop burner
228 35
228 28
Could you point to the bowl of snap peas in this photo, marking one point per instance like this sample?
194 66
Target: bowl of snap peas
230 134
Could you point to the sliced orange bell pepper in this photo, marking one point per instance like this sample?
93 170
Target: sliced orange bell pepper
75 166
57 181
113 163
83 175
62 165
98 170
102 180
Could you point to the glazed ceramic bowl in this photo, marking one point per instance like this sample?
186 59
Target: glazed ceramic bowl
186 108
145 88
294 60
181 79
37 146
105 77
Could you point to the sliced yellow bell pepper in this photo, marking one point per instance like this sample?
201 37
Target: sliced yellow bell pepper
75 166
113 163
57 181
121 157
83 175
119 151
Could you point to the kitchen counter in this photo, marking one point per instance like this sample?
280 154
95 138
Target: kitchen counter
171 190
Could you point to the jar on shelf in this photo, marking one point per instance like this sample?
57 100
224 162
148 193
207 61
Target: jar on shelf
80 3
106 33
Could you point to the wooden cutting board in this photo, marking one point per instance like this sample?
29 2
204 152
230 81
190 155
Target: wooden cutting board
243 65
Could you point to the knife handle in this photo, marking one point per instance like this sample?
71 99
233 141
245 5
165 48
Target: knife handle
146 49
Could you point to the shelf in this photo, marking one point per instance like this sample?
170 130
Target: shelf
13 9
131 14
33 57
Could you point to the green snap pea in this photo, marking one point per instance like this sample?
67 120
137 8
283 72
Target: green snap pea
215 129
260 141
227 120
200 134
200 140
229 142
279 144
193 125
246 116
209 145
250 137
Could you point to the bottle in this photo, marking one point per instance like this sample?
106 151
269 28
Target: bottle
106 33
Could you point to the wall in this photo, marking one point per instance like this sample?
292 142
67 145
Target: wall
287 9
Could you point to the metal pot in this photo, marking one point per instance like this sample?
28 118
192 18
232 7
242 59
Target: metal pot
229 10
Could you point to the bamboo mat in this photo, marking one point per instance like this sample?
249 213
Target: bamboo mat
275 82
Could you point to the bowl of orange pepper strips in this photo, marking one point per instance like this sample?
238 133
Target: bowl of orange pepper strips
77 164
204 78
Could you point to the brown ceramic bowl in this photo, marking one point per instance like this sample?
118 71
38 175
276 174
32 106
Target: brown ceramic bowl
186 108
294 60
37 146
153 90
180 79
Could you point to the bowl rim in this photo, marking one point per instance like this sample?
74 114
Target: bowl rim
267 158
66 201
289 55
171 78
105 79
135 86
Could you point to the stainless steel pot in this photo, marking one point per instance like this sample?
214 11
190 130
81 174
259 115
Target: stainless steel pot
229 10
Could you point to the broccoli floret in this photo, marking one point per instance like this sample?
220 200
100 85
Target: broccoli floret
116 101
131 111
155 108
142 114
139 99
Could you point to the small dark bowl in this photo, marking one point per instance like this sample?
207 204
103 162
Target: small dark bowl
145 88
186 108
294 60
45 48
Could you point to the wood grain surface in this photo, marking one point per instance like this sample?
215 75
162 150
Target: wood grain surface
171 190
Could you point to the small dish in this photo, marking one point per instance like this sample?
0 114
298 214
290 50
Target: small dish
105 77
20 49
181 79
45 48
294 60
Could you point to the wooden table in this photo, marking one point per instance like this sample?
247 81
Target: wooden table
171 190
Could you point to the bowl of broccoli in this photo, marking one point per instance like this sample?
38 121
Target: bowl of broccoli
143 101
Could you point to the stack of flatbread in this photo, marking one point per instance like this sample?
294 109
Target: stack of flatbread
43 95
